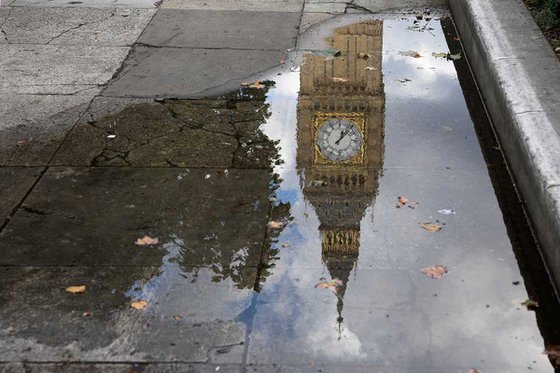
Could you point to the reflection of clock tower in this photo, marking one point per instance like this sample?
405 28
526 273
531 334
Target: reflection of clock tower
340 139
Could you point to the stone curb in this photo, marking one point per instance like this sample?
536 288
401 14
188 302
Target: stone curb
518 75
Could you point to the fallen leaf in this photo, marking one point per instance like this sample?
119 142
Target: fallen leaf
413 54
332 285
363 55
530 304
147 240
282 62
177 317
275 224
285 245
454 57
437 271
78 289
403 200
139 305
339 79
256 84
20 142
370 68
439 55
87 314
430 227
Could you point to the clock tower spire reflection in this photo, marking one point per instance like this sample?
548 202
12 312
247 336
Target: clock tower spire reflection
340 133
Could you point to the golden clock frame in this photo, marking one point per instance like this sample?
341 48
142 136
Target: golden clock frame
318 122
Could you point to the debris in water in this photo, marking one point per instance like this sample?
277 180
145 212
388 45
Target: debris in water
437 271
530 304
78 289
454 57
256 84
431 227
334 285
275 224
139 304
413 54
147 240
440 55
446 211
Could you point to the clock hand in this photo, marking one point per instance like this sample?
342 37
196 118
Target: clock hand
342 134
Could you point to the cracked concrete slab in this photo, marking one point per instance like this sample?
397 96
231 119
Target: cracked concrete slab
14 184
100 324
64 26
182 73
222 29
86 3
219 133
292 6
205 216
55 69
33 126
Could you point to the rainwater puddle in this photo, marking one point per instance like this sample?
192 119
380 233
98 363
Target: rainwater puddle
293 220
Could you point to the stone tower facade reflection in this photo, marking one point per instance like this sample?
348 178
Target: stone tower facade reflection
340 134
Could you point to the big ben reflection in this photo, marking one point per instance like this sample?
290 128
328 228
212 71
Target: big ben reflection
340 129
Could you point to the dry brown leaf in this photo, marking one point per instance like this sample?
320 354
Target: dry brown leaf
177 317
139 304
430 227
78 289
146 240
87 314
332 285
275 224
403 200
339 79
437 271
256 84
363 55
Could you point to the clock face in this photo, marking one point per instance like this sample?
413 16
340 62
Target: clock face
339 139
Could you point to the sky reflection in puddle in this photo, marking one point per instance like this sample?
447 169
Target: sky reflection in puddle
356 131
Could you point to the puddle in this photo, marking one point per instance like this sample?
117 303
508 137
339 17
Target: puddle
291 222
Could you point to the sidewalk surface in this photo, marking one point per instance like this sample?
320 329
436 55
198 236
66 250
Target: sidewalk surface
256 186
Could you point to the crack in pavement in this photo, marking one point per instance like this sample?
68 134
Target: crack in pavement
81 25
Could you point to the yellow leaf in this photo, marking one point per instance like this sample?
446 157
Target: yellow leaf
79 289
332 285
431 227
139 305
146 240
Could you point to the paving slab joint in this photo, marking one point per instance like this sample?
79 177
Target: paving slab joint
516 73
